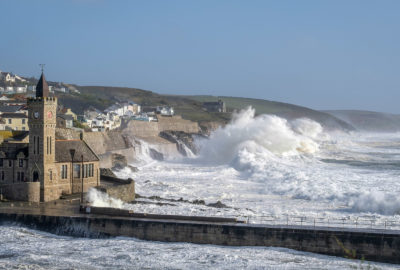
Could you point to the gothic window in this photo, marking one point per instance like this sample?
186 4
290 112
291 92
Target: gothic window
47 145
51 175
9 121
37 145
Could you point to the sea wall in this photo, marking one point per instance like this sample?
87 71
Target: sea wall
118 188
382 246
24 191
152 129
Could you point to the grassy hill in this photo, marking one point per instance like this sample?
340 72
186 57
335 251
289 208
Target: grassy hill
285 110
190 107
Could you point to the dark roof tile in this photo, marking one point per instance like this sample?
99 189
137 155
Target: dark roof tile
81 148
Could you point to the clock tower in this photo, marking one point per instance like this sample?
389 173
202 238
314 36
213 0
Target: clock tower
42 125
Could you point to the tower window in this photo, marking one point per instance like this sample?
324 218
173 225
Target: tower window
1 162
2 175
51 175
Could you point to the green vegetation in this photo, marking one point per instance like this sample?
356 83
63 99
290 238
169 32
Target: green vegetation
190 107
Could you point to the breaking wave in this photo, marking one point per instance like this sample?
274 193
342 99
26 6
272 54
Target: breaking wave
259 138
101 199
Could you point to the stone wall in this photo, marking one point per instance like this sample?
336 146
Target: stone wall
118 188
151 129
26 191
374 245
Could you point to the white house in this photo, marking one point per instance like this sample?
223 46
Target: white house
8 77
165 110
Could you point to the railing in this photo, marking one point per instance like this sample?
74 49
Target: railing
365 222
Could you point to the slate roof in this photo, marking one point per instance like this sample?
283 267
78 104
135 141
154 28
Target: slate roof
11 150
65 116
14 115
42 88
9 109
81 148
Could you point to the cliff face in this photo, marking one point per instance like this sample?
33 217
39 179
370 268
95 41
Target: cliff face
128 141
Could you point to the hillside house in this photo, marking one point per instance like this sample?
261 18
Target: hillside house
165 110
65 121
15 121
218 106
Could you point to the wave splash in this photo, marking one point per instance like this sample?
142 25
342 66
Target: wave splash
259 138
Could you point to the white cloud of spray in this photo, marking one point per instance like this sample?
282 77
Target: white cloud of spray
101 199
268 135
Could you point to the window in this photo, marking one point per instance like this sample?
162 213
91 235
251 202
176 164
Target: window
64 171
21 162
37 145
47 149
20 176
91 169
77 170
51 175
23 121
1 162
23 128
9 163
9 121
2 175
34 144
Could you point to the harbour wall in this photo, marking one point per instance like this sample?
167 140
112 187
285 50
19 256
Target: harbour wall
373 245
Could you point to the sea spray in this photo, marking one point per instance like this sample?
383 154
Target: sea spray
101 199
264 135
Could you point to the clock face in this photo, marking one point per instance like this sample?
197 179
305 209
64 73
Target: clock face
36 114
49 115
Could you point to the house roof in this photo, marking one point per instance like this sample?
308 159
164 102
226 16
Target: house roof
14 115
65 116
42 88
63 154
11 150
10 109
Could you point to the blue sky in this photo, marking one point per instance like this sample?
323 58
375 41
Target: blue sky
338 54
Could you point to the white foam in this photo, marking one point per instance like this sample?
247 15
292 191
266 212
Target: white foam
101 199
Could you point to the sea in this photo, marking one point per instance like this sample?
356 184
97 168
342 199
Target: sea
260 169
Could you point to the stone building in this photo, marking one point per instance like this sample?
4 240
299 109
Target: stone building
15 121
218 106
46 168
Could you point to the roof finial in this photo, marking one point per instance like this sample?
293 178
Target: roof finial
42 66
